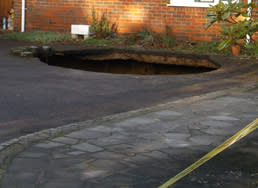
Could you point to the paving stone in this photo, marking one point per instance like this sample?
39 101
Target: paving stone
150 136
196 132
108 155
135 121
223 118
177 136
168 113
32 155
250 117
75 153
111 140
218 124
94 174
121 180
206 140
65 140
18 184
86 134
138 159
65 174
230 100
59 156
20 165
105 129
224 132
156 155
106 164
48 145
121 148
176 143
87 147
63 184
28 177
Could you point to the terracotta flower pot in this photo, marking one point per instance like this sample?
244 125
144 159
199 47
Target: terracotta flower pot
234 19
236 49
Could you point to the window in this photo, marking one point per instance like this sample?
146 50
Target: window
194 3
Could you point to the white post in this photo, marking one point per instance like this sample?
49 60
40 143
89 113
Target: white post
23 16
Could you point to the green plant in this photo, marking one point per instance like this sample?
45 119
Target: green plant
235 33
146 37
228 12
169 42
149 38
98 42
101 27
204 47
237 25
251 49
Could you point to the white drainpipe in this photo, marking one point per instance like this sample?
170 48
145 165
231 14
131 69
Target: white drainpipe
23 16
250 15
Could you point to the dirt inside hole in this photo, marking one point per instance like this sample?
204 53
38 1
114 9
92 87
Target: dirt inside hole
118 66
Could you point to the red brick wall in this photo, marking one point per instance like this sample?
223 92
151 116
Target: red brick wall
131 15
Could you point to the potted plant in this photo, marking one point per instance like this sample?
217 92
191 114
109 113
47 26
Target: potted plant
235 34
237 23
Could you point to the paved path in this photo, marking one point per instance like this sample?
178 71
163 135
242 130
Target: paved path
35 96
146 148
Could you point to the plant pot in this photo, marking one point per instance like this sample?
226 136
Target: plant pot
236 49
235 19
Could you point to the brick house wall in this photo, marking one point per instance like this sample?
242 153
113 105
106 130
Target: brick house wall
186 23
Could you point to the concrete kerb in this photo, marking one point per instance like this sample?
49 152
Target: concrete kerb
9 149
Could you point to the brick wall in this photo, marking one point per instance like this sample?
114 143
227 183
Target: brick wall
131 15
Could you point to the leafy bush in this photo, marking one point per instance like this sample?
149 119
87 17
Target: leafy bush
236 32
149 38
211 47
235 14
102 28
251 49
169 42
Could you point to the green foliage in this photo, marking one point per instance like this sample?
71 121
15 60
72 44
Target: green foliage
99 42
39 37
169 41
101 27
211 47
228 12
251 49
148 38
238 25
235 32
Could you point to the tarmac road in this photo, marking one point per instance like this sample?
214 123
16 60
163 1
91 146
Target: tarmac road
35 96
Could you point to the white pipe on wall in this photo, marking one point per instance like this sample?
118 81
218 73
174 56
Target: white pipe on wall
248 38
23 16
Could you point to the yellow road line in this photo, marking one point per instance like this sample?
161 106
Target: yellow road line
239 135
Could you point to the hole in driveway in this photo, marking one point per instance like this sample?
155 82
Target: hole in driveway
132 62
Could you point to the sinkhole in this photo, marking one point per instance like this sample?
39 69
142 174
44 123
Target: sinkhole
131 62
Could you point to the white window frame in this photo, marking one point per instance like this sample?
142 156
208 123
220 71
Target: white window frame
191 3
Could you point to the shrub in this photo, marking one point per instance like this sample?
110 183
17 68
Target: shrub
238 25
102 28
148 38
